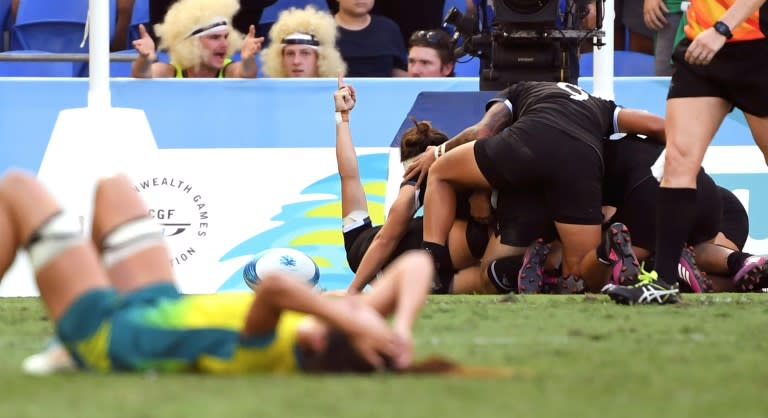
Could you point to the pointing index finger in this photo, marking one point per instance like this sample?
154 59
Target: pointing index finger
341 79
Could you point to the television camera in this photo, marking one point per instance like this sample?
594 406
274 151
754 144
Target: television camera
526 40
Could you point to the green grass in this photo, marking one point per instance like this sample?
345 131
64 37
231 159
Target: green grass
573 357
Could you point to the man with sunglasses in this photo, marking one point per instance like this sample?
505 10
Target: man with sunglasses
430 54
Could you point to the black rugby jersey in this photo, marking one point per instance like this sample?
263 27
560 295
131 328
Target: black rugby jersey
628 162
563 106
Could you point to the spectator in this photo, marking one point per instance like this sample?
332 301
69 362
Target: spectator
249 13
430 54
123 25
428 14
370 44
663 16
630 18
303 44
200 41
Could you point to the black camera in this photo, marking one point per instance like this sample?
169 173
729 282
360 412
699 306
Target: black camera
525 40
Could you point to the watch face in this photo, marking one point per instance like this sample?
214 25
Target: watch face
723 29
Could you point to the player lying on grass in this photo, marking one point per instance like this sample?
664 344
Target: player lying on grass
115 306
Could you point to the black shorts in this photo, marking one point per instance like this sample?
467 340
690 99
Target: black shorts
737 74
358 240
568 171
477 238
734 223
523 218
638 212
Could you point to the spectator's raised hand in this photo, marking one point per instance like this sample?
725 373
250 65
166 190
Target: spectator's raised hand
145 46
344 98
654 14
251 44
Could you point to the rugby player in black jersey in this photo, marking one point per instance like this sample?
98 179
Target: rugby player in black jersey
542 136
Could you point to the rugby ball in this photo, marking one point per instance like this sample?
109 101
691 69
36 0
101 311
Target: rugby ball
286 260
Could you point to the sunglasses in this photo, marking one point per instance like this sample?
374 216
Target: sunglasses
432 37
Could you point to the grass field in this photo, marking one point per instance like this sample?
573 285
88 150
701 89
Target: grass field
573 357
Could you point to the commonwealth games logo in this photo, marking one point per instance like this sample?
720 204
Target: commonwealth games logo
182 212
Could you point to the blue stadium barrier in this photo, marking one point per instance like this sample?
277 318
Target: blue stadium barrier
467 66
279 113
259 153
121 68
462 107
625 64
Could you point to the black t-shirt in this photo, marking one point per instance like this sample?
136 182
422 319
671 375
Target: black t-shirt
563 106
373 51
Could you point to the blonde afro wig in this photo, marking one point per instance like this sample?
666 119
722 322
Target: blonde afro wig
187 16
309 21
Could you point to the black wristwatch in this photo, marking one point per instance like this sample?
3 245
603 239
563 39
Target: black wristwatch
723 29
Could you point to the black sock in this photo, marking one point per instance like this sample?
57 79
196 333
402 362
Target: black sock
675 213
443 266
736 261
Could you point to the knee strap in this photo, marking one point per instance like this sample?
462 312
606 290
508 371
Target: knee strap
129 238
57 234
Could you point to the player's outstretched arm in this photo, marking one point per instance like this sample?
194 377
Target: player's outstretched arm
634 121
385 242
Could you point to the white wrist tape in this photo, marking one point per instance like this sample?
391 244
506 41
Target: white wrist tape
340 118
